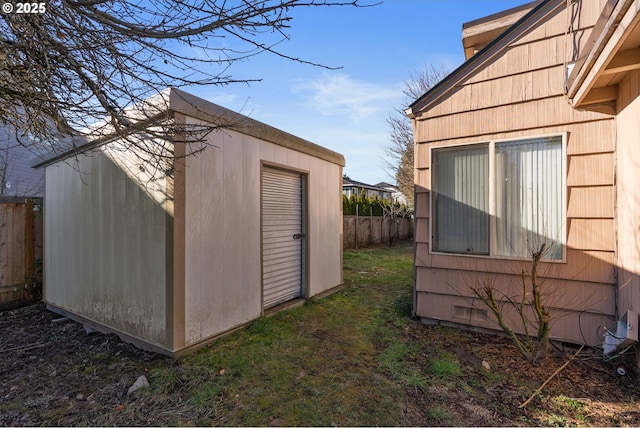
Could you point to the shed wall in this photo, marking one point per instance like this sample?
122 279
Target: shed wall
518 94
105 244
222 236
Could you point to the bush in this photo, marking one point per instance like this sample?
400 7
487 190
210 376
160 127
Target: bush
364 205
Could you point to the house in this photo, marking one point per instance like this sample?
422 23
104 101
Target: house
17 178
21 193
171 256
534 140
351 187
396 194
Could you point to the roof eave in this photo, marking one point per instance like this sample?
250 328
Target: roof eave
609 32
440 90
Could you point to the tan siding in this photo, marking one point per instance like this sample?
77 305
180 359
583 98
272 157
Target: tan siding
591 202
422 230
546 113
423 177
628 199
575 327
422 254
592 234
422 204
628 89
520 93
509 89
558 293
591 170
598 136
581 265
421 155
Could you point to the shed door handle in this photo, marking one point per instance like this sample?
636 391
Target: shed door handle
298 236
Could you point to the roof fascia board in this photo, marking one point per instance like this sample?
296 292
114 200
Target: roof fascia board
581 81
172 100
190 105
85 146
441 89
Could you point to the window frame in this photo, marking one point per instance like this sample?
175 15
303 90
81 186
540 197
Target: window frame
493 239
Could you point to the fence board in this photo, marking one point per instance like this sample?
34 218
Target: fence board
363 231
19 232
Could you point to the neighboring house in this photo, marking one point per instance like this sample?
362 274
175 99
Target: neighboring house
356 188
251 224
21 193
396 195
534 139
17 178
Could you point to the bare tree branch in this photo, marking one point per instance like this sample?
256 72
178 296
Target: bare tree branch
86 60
400 147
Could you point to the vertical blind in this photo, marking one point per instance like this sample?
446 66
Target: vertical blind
529 183
461 191
528 198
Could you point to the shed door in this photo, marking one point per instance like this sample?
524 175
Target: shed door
282 236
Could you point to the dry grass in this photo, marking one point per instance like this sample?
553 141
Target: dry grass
353 358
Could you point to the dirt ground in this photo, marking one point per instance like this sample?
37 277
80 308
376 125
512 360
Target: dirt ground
586 392
54 373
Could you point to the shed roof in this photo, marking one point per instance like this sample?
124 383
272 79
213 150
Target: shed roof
171 101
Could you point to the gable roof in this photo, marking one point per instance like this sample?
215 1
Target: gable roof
449 83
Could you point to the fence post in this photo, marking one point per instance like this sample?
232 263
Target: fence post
357 205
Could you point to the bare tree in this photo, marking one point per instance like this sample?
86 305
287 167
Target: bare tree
400 147
531 309
70 63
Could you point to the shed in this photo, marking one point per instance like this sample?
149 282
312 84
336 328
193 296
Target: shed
172 256
534 139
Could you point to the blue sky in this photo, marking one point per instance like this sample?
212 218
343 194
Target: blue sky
377 49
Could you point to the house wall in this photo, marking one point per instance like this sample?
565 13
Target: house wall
222 248
520 93
628 192
106 226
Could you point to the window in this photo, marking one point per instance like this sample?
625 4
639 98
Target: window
499 198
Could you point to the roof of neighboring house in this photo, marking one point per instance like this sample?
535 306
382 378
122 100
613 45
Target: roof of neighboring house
385 185
448 84
347 182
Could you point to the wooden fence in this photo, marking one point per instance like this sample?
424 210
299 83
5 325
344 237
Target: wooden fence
20 249
362 231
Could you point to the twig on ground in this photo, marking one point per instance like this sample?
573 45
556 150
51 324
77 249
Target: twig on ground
25 348
537 391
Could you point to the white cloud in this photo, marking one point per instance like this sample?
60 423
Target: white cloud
339 94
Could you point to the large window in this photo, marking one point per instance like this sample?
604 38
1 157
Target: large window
499 198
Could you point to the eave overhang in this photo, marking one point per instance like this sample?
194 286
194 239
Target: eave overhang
614 51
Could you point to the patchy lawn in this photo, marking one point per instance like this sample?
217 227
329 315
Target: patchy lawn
353 358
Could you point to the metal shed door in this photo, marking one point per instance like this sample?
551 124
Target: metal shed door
282 236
